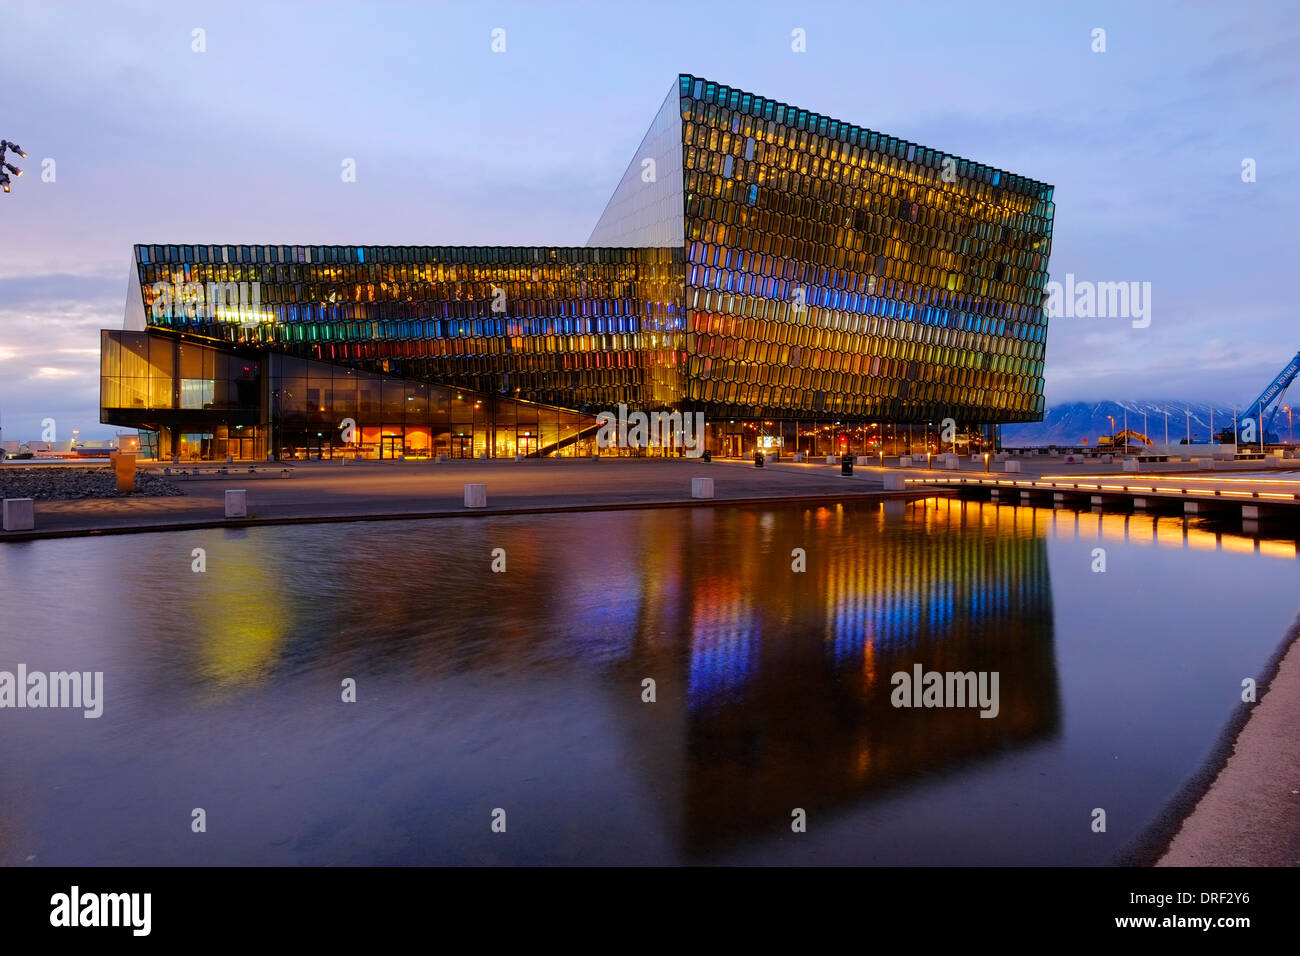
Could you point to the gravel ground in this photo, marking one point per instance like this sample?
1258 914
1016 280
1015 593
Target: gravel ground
53 483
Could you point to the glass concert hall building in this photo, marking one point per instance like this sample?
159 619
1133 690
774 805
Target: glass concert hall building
805 283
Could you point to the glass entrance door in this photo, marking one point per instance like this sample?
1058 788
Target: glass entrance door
390 446
526 445
462 446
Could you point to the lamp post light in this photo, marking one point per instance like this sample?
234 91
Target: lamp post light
6 168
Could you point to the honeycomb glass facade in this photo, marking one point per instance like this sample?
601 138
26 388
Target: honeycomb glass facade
805 283
835 271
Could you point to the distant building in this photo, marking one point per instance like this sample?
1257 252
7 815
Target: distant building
804 282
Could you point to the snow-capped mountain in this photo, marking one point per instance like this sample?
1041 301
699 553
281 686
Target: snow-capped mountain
1071 423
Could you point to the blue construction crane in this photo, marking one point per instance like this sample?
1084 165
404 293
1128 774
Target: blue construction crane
1266 406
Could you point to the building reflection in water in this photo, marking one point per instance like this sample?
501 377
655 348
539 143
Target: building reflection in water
773 686
785 676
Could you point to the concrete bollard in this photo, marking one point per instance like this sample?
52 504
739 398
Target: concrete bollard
19 514
861 460
1205 464
1130 464
701 487
440 457
894 481
832 460
236 503
475 495
1011 466
520 456
285 473
483 456
905 461
124 471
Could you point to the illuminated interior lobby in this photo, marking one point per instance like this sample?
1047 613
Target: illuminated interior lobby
806 284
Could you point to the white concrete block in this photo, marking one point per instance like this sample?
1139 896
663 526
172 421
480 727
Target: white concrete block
1205 464
19 514
701 487
905 461
475 495
1011 466
1250 511
1131 464
863 460
236 503
894 481
832 460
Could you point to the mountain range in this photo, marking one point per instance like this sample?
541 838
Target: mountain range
1071 423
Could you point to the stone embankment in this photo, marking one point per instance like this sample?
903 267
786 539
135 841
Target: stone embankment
58 483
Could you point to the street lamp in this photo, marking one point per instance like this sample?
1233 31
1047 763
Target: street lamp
5 145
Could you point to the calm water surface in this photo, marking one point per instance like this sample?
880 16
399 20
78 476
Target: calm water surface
522 690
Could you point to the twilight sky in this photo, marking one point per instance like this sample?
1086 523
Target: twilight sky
457 145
